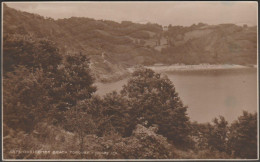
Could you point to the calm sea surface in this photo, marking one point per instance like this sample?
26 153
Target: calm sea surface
209 93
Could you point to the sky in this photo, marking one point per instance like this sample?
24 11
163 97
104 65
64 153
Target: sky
163 13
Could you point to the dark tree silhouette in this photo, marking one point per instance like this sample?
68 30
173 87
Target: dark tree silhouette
155 100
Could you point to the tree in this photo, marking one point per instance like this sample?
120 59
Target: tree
217 135
200 133
95 107
30 52
80 122
243 136
211 136
72 82
26 100
110 113
35 65
30 65
154 99
117 109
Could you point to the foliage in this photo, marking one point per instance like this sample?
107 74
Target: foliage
28 62
117 109
49 105
212 136
126 124
94 106
140 35
17 141
29 52
154 99
37 83
72 83
26 100
45 137
78 33
243 136
217 137
81 123
145 144
238 140
199 133
110 113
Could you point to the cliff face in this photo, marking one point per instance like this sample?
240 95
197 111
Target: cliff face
114 46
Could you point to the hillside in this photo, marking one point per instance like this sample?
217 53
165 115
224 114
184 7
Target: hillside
113 46
202 43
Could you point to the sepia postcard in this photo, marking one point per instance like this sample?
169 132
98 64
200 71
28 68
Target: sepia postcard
130 80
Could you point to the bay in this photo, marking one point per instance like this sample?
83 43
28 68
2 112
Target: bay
209 93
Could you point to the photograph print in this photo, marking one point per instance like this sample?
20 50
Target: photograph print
129 80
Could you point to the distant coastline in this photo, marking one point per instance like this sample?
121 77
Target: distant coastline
183 67
176 68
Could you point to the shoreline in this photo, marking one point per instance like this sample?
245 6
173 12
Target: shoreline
200 67
176 68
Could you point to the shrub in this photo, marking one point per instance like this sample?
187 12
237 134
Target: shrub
144 144
243 136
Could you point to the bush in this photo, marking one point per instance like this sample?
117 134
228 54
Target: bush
243 136
144 144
